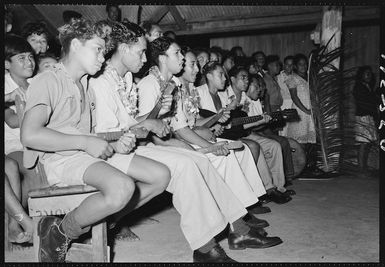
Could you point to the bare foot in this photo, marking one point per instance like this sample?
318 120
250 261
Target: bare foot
21 232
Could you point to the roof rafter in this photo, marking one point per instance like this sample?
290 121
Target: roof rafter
159 14
178 18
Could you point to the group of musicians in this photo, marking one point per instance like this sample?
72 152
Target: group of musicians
121 112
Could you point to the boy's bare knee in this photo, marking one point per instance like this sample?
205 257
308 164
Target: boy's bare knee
120 194
11 165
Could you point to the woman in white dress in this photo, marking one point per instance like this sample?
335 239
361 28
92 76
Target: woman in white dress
302 131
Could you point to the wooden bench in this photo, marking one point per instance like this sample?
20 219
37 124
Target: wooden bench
52 200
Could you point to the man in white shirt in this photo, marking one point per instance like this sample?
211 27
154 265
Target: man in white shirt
271 149
204 201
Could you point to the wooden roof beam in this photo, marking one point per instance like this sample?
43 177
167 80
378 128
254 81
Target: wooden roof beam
178 18
159 14
38 16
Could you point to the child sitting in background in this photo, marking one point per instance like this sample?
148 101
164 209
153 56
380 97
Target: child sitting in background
45 61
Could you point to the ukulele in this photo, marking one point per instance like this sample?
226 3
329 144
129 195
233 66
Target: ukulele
238 118
142 133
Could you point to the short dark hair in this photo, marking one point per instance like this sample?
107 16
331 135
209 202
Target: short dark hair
256 76
42 56
38 28
210 67
69 14
227 56
186 49
147 25
271 58
234 71
298 57
159 47
200 50
81 29
290 57
15 44
168 32
108 6
258 52
360 73
124 32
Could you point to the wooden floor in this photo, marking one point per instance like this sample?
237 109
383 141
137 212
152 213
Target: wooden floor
327 221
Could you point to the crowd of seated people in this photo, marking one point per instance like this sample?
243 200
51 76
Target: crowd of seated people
122 76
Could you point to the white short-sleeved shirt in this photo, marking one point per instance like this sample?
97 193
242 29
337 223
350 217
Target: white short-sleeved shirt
205 98
110 113
11 135
149 94
58 92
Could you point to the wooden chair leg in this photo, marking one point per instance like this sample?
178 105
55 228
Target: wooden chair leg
36 238
99 243
7 244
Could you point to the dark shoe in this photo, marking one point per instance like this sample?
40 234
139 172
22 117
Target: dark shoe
288 183
217 254
260 231
264 199
53 243
252 240
289 192
278 197
255 222
258 209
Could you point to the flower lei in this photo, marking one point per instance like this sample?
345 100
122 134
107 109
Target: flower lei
129 98
154 70
191 101
191 104
245 106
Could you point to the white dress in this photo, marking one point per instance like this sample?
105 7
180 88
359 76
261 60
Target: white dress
302 131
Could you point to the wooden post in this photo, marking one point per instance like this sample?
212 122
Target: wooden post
331 25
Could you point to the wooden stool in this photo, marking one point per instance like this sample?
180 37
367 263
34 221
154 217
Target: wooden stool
59 201
7 244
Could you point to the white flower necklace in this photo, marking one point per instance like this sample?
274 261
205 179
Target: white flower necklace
129 97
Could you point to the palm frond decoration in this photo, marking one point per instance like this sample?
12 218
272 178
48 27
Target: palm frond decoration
326 84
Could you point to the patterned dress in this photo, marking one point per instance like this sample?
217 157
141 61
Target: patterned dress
302 131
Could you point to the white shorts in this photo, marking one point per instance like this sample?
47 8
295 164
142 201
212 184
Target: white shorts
67 170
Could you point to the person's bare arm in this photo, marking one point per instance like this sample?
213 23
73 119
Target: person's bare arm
10 118
297 101
35 135
192 137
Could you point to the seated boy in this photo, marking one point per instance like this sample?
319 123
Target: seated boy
57 124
